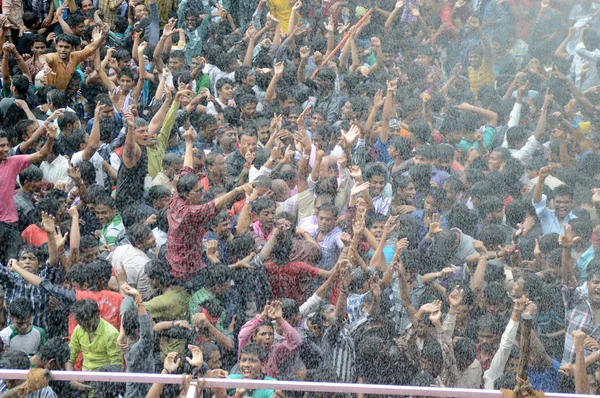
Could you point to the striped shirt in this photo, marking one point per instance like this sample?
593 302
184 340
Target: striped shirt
111 231
483 76
331 247
338 347
45 392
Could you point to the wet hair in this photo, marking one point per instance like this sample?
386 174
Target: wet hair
432 353
138 233
14 360
563 190
56 348
88 241
255 349
157 192
402 145
289 308
262 204
421 130
159 271
492 236
217 275
31 174
241 245
131 323
69 39
465 352
85 310
329 208
20 308
186 184
207 349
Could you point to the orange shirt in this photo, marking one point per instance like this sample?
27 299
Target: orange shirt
64 72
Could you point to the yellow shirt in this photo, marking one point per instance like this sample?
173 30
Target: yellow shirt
64 72
282 10
100 352
484 76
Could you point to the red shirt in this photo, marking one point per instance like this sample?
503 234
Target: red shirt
292 280
187 227
109 304
34 235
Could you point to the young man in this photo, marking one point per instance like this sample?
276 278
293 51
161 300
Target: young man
65 60
106 212
553 220
95 338
261 330
328 236
21 335
31 184
19 360
253 359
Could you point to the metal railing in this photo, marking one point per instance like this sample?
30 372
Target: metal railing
9 374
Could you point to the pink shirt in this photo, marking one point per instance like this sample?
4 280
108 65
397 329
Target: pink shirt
9 170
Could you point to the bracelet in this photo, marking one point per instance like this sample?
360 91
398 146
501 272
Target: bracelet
483 258
345 291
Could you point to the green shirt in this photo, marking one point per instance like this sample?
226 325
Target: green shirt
157 153
100 352
198 299
170 306
256 393
111 231
489 135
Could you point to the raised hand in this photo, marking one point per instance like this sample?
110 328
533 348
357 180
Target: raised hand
304 53
479 247
197 358
172 362
48 224
399 4
567 239
436 224
455 297
355 172
390 224
275 311
279 69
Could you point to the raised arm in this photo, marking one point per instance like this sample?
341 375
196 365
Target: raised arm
581 381
392 17
567 240
131 151
478 276
102 73
538 190
41 155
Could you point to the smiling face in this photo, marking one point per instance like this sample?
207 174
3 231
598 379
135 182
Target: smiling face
593 286
226 93
191 22
251 366
125 83
4 148
104 214
377 185
563 206
141 11
406 194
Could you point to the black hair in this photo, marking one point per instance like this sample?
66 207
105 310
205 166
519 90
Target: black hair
262 204
57 98
255 349
31 173
80 274
20 308
121 23
465 352
100 269
207 349
67 118
222 82
492 236
157 192
14 360
131 323
432 353
159 271
421 130
549 242
563 190
88 241
329 208
85 310
241 245
420 175
375 170
289 308
21 84
495 293
186 184
56 348
138 233
402 145
217 275
489 205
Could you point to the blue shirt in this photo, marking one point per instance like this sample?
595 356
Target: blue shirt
545 379
548 218
582 264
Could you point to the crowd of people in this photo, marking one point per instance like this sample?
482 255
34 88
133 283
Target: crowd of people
349 191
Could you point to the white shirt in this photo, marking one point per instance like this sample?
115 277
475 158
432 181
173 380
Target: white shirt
96 160
57 171
134 261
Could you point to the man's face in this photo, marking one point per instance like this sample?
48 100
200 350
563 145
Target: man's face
125 83
78 29
250 366
420 159
107 112
593 285
317 121
288 103
423 61
264 337
429 206
377 185
264 134
29 262
407 193
495 161
35 186
64 50
214 360
89 254
249 110
209 132
4 148
226 93
267 218
563 206
488 340
86 5
474 59
21 325
143 137
73 86
161 203
141 12
176 64
249 80
191 22
219 167
248 144
346 113
38 48
196 195
377 229
148 243
90 325
325 221
104 214
228 139
223 229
